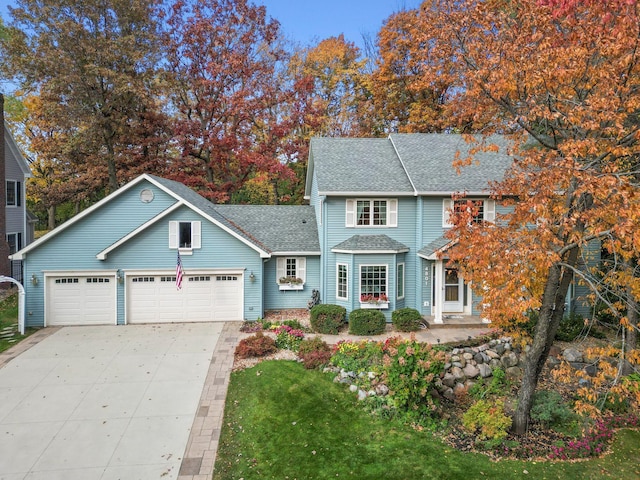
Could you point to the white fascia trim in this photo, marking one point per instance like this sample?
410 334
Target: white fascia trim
20 254
479 193
79 273
263 254
366 194
190 271
437 254
369 252
406 172
103 254
295 254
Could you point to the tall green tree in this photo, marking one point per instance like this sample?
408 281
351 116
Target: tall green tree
94 66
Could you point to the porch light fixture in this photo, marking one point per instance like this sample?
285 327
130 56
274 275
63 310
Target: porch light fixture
252 277
34 279
120 276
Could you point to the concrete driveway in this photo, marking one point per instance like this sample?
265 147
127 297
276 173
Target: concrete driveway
105 402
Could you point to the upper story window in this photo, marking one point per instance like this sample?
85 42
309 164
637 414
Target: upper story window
372 213
15 242
185 235
482 210
14 193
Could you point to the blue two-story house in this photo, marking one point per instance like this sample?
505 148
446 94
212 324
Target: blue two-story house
372 236
382 208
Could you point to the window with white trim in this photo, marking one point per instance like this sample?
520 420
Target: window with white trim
367 212
13 193
342 282
400 280
291 270
373 282
481 210
185 235
15 242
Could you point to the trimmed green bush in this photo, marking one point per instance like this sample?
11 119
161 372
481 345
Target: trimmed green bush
406 319
328 319
366 322
550 410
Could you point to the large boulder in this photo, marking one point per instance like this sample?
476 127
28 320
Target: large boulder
509 359
572 355
471 371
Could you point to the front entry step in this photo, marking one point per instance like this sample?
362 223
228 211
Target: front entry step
457 321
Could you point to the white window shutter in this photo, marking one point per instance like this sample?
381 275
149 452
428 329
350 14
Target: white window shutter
281 263
196 234
490 210
447 206
173 234
392 221
351 213
301 268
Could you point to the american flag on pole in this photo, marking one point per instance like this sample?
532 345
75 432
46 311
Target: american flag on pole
179 272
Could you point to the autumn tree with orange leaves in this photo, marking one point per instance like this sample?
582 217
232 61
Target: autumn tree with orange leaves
561 80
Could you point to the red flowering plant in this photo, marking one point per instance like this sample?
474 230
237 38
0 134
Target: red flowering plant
371 298
288 338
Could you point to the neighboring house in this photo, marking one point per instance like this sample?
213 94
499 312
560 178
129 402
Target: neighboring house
15 225
372 237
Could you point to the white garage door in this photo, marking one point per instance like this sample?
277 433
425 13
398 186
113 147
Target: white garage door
81 300
202 298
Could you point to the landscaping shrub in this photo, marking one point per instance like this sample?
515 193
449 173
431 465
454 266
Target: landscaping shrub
288 338
497 384
257 345
295 324
550 410
315 359
488 418
366 322
357 357
570 327
314 353
328 319
406 319
410 370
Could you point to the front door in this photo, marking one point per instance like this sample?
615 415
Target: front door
453 291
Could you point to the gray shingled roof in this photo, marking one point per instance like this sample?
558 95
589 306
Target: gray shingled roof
434 246
279 228
358 165
401 162
371 243
273 228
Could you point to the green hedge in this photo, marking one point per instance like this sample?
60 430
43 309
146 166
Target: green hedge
328 319
367 322
406 319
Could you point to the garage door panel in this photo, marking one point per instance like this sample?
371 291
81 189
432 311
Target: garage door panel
80 300
202 298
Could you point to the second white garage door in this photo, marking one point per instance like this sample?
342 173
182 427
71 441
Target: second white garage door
202 298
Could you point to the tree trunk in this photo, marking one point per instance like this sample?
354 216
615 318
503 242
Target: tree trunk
631 341
51 220
551 313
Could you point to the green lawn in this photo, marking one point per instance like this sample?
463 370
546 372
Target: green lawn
285 422
9 323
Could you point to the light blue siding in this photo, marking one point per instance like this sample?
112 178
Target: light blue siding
75 249
276 299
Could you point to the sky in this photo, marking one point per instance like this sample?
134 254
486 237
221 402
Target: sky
308 21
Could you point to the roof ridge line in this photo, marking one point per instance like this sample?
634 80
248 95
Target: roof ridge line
406 172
